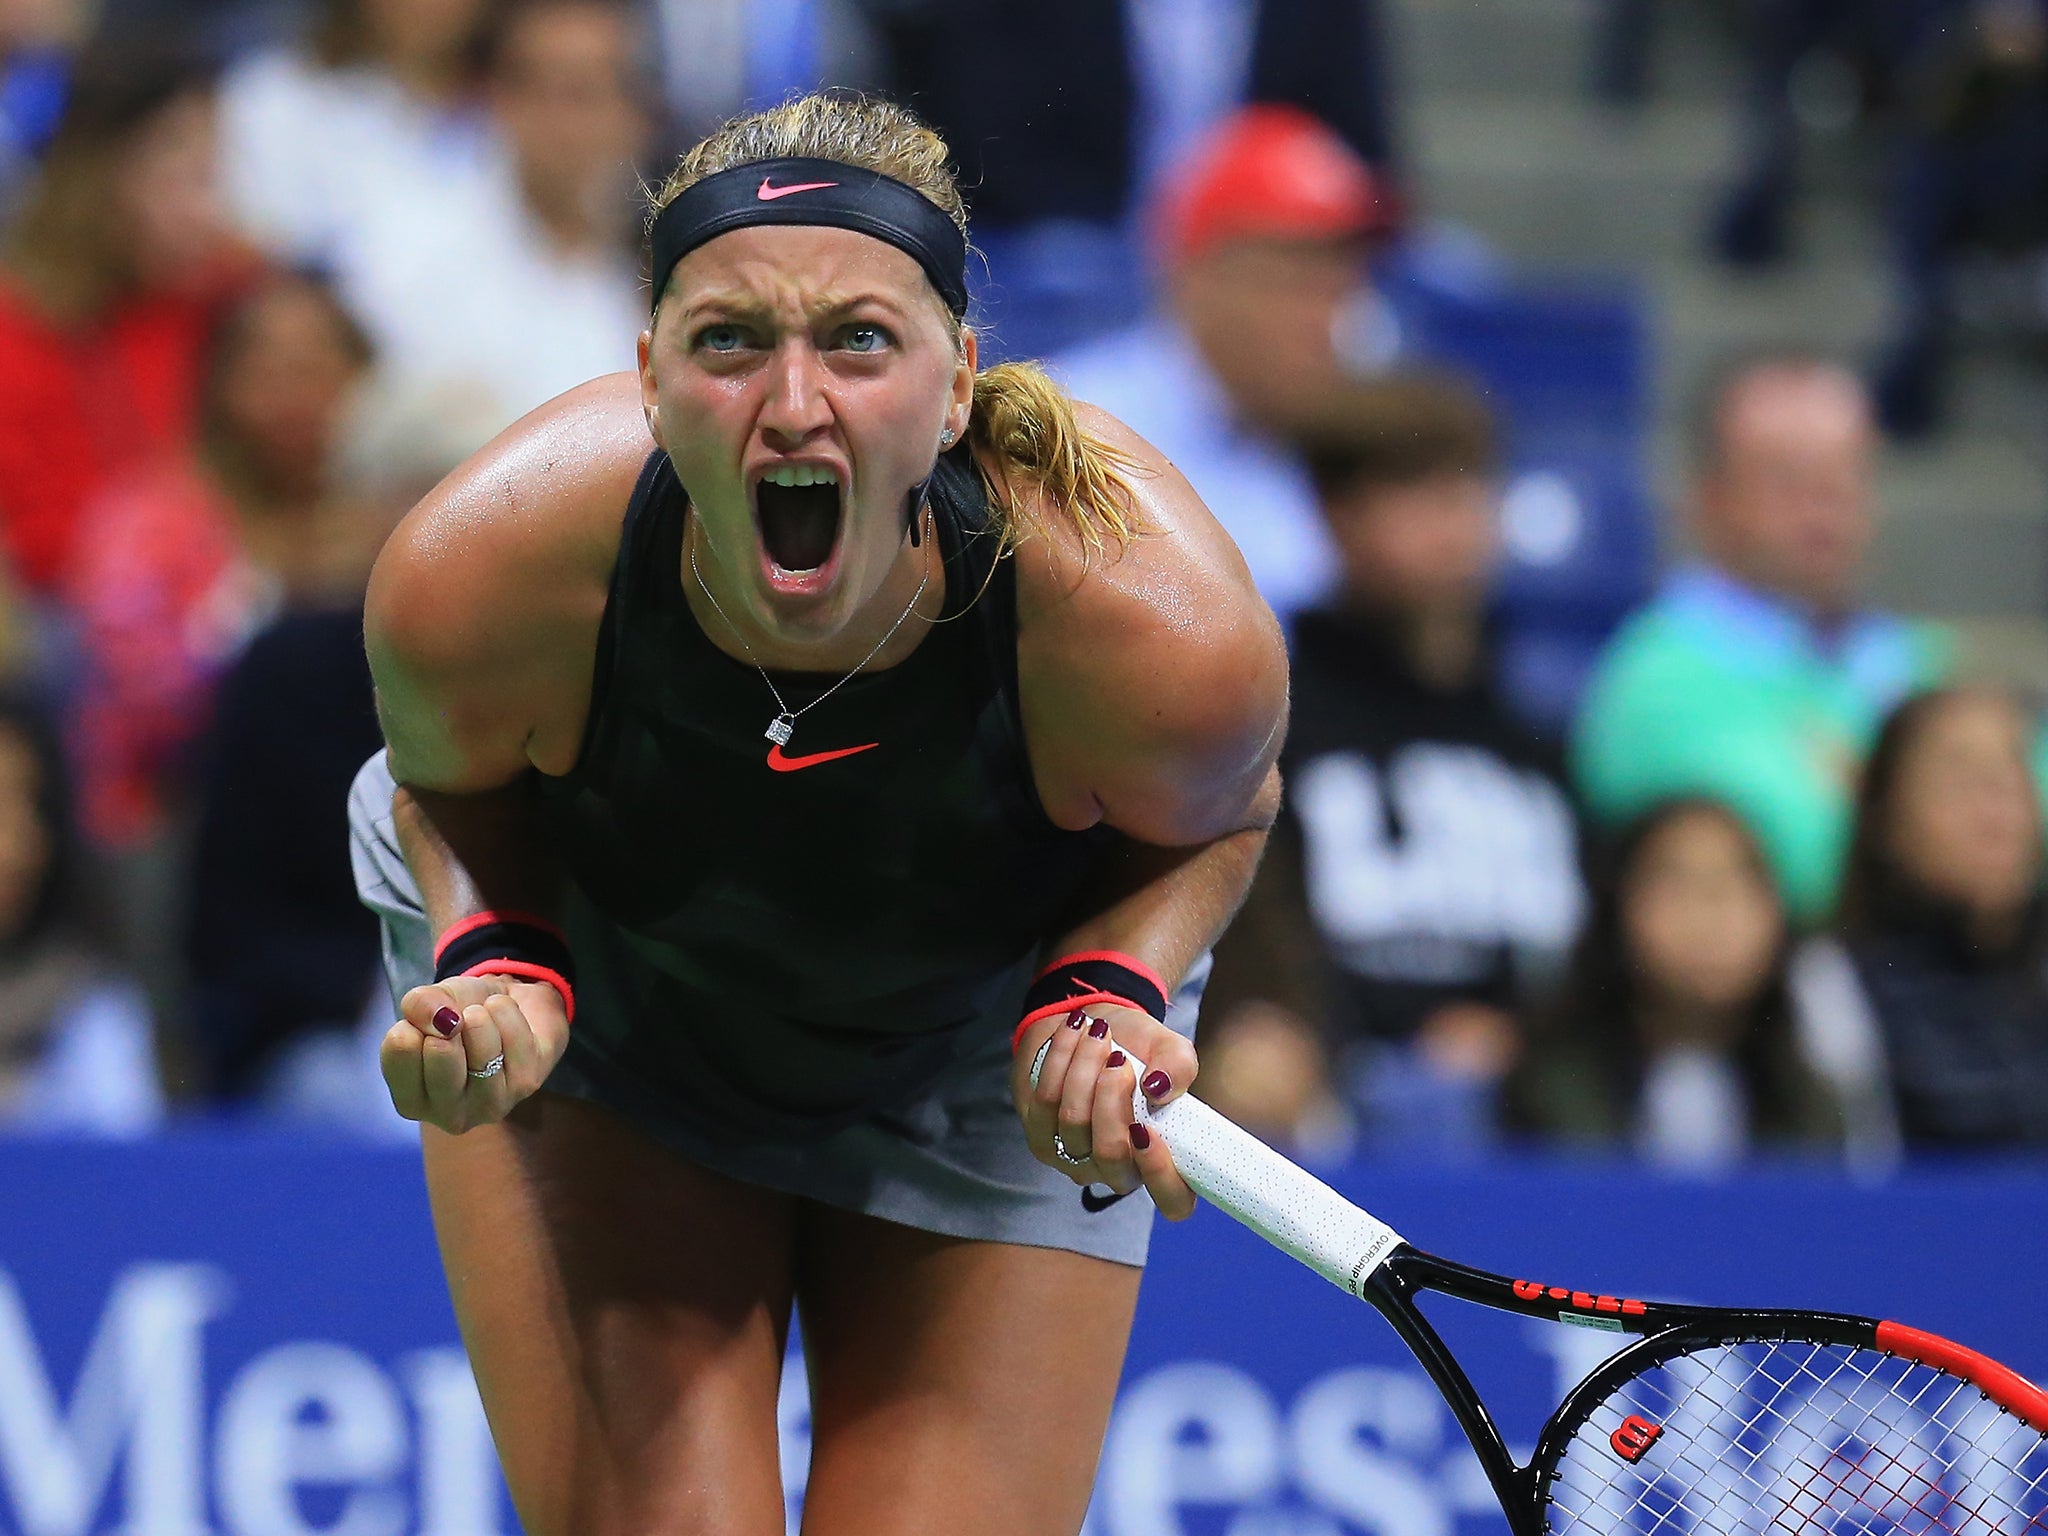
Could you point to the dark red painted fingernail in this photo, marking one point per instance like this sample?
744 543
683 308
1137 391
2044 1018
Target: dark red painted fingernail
1116 1059
1141 1138
1157 1085
1098 1029
448 1021
1076 1019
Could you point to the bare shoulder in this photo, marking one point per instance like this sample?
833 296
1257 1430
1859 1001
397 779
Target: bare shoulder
484 607
1154 676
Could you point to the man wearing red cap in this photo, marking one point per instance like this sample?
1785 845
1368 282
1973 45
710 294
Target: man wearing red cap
1261 237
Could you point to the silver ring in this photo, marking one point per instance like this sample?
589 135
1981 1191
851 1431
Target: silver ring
490 1068
1059 1150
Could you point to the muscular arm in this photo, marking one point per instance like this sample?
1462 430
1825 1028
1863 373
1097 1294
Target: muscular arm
1168 905
481 625
1155 699
478 852
464 807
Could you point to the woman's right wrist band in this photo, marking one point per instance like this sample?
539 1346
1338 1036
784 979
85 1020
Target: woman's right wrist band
508 944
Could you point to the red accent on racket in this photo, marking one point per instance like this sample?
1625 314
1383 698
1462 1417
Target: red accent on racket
1715 1422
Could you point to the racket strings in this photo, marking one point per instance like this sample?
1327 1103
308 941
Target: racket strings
1773 1437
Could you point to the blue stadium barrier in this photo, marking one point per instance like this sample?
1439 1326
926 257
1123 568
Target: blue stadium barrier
246 1333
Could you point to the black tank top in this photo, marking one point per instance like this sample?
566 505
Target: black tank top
785 951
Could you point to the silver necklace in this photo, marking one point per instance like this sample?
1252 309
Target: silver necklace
783 726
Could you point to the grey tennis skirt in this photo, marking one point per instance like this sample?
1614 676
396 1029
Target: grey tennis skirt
951 1161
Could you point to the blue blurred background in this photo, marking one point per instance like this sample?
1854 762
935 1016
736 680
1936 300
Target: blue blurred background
1634 409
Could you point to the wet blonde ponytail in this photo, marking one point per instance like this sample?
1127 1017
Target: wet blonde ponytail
1024 425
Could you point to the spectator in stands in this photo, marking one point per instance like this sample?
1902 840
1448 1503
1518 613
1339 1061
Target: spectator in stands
110 277
550 233
1944 921
1756 677
382 101
288 999
178 563
1426 865
1263 238
1674 1033
283 960
76 1047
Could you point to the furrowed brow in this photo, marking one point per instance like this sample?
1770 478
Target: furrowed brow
741 304
733 303
833 306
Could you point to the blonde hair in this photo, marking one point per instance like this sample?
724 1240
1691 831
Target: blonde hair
1023 423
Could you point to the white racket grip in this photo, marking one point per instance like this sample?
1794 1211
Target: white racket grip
1281 1201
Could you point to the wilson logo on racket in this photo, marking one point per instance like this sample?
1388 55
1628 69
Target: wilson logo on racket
1633 1436
1584 1301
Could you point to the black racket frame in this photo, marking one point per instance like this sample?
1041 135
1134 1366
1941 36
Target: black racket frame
1666 1330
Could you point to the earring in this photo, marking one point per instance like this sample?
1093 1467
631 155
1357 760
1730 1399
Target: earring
946 438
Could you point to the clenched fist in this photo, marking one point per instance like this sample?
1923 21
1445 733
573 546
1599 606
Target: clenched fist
471 1047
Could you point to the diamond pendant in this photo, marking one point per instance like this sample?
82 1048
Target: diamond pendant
780 729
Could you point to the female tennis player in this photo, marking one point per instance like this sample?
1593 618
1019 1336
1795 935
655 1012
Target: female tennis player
788 748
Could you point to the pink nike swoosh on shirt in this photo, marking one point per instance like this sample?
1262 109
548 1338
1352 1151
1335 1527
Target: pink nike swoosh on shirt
768 194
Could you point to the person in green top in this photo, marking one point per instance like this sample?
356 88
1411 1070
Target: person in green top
1756 677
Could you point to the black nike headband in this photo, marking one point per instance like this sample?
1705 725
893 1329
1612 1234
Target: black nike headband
800 191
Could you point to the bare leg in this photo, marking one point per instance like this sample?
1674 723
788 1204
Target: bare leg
955 1386
626 1315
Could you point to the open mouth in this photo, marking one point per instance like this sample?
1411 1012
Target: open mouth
799 514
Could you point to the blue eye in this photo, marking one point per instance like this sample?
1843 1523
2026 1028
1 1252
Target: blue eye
865 338
720 338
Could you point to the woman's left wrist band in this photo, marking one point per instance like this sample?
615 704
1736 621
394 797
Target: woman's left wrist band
1092 978
508 944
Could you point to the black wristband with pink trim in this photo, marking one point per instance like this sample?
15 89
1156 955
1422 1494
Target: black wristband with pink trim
508 944
1092 978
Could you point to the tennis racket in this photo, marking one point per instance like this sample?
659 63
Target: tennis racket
1716 1420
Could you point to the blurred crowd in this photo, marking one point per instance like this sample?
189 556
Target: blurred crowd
268 272
1779 886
